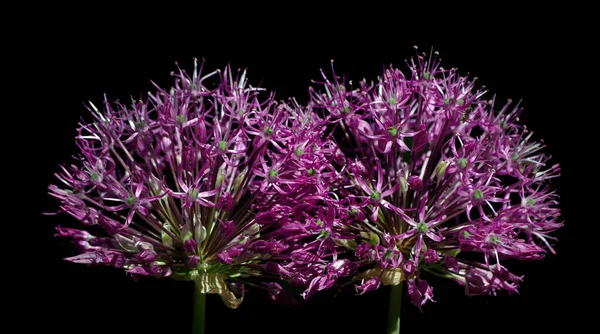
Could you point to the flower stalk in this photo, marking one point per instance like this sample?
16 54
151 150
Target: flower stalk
199 317
394 309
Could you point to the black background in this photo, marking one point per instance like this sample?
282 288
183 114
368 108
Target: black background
77 55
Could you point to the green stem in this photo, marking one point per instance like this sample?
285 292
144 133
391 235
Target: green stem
199 319
394 309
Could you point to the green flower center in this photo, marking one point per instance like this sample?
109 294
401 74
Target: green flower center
422 227
299 152
392 101
273 174
466 234
376 196
268 130
393 131
477 194
310 172
387 254
131 200
462 162
222 145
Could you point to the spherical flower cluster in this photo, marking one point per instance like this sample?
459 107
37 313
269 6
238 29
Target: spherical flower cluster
435 174
195 183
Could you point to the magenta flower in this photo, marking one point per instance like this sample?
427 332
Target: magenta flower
433 171
200 182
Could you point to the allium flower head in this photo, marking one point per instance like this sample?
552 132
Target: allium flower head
433 171
195 183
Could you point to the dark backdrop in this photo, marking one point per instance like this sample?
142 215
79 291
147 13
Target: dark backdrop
78 57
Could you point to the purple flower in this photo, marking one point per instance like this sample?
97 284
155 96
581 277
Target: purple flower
479 281
430 256
372 284
408 267
419 292
434 171
199 182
